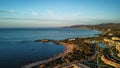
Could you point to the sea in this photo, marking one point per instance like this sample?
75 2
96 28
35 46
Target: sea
17 46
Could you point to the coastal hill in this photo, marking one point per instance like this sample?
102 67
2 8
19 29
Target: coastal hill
97 26
114 27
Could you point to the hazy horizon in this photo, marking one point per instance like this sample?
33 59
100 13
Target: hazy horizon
57 13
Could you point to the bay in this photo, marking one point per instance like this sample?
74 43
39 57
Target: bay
17 47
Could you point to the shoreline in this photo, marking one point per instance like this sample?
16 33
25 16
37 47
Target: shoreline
67 49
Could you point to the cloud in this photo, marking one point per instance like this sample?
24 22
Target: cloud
8 11
51 13
12 11
70 16
34 13
32 19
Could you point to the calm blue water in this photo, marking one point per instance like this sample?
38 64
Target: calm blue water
17 47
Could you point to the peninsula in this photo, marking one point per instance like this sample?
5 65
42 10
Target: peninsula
101 51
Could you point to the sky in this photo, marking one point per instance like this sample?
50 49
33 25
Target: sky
57 13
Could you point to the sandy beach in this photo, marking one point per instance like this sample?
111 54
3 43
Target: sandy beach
67 49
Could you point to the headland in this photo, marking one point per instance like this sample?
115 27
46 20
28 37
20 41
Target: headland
102 51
